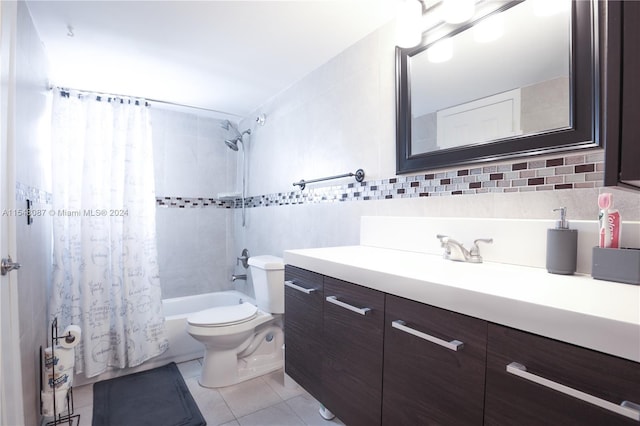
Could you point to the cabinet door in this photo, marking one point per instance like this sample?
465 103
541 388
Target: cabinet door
532 380
630 134
619 46
303 328
352 368
434 365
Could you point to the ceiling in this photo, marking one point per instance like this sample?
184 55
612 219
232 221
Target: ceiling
228 56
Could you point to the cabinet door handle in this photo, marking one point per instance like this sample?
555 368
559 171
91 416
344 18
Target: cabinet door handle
294 286
454 345
335 301
626 408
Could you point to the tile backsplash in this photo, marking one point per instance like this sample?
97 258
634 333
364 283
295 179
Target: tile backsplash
190 202
557 172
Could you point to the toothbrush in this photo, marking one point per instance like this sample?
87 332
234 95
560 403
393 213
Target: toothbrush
604 203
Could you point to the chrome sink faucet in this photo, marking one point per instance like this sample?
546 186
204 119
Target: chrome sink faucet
454 250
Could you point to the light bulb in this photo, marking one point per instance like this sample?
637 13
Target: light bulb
408 23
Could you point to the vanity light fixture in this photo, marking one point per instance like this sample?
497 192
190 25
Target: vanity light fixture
458 11
489 29
408 23
440 51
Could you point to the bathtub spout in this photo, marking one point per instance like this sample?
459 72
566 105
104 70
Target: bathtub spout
238 277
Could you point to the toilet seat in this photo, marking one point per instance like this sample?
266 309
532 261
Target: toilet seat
223 316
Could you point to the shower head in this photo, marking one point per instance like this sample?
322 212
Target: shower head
233 143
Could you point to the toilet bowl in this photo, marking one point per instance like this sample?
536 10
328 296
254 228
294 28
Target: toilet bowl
243 341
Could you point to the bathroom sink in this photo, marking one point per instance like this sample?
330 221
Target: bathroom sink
523 297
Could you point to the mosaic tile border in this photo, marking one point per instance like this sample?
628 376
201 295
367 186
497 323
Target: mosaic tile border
573 171
36 195
200 202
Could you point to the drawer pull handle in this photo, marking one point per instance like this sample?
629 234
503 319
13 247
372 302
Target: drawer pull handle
454 345
626 408
335 301
294 286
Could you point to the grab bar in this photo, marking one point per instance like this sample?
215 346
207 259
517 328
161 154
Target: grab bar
359 174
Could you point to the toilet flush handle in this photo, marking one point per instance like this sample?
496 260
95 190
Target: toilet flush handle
244 258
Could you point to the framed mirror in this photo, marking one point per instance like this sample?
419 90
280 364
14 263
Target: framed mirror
512 82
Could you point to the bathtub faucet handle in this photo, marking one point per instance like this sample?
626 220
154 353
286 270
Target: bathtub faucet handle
244 258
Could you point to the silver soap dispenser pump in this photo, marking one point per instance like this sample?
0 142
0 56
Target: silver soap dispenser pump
562 246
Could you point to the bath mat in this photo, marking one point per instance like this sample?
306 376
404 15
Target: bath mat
157 397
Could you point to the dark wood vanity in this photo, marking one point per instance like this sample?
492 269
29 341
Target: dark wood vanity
395 361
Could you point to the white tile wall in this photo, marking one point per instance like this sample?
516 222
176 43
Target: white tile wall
191 160
342 117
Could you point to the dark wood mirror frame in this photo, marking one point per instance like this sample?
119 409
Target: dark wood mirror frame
585 110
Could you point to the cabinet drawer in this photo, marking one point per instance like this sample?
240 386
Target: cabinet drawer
559 377
303 328
352 368
434 365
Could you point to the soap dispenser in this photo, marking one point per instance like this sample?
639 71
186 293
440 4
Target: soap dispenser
562 246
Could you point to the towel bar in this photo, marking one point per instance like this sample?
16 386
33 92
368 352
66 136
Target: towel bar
359 174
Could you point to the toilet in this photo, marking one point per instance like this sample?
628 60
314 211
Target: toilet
244 341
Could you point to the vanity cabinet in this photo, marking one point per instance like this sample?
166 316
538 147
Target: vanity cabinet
434 365
533 380
375 358
622 93
353 339
303 299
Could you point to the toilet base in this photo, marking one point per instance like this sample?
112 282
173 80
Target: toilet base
261 355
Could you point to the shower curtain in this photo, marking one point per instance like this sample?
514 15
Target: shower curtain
105 271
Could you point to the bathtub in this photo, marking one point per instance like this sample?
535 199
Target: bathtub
182 347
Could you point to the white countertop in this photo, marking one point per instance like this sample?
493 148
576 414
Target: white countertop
599 315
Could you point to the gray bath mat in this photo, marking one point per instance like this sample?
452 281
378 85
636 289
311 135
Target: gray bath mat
157 397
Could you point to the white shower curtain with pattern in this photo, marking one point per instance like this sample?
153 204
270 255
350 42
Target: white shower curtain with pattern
105 272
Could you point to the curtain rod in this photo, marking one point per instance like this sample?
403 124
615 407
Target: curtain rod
156 101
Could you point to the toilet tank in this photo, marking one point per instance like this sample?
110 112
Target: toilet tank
267 273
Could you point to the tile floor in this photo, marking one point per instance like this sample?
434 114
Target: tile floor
263 401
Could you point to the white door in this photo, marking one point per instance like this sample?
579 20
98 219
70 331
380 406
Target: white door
11 405
483 120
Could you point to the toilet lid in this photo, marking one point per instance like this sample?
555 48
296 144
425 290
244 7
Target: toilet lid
224 315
